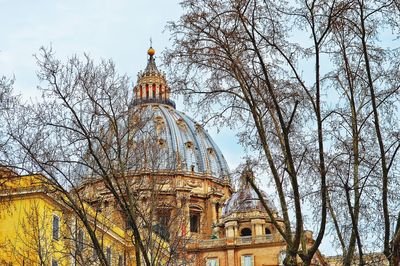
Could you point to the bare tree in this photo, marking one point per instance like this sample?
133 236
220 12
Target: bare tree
8 100
365 136
97 150
271 66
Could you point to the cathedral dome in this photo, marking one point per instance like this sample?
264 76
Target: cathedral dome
186 146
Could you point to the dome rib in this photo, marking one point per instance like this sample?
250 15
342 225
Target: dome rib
218 155
173 143
198 148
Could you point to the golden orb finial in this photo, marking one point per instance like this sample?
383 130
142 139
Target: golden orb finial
151 51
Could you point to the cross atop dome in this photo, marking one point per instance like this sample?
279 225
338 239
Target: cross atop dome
151 85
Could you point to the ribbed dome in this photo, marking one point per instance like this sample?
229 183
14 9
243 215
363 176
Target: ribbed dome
246 200
183 145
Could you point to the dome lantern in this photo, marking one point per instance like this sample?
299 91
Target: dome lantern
151 85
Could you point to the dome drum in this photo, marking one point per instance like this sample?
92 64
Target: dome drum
136 102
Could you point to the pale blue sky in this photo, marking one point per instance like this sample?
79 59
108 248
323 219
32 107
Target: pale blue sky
116 29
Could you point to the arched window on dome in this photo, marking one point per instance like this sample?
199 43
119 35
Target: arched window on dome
162 143
181 123
268 233
245 232
159 123
189 144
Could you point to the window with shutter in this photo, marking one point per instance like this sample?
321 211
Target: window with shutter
56 227
79 240
108 255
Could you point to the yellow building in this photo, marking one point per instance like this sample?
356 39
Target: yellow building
37 227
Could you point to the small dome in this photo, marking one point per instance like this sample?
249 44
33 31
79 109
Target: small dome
246 200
